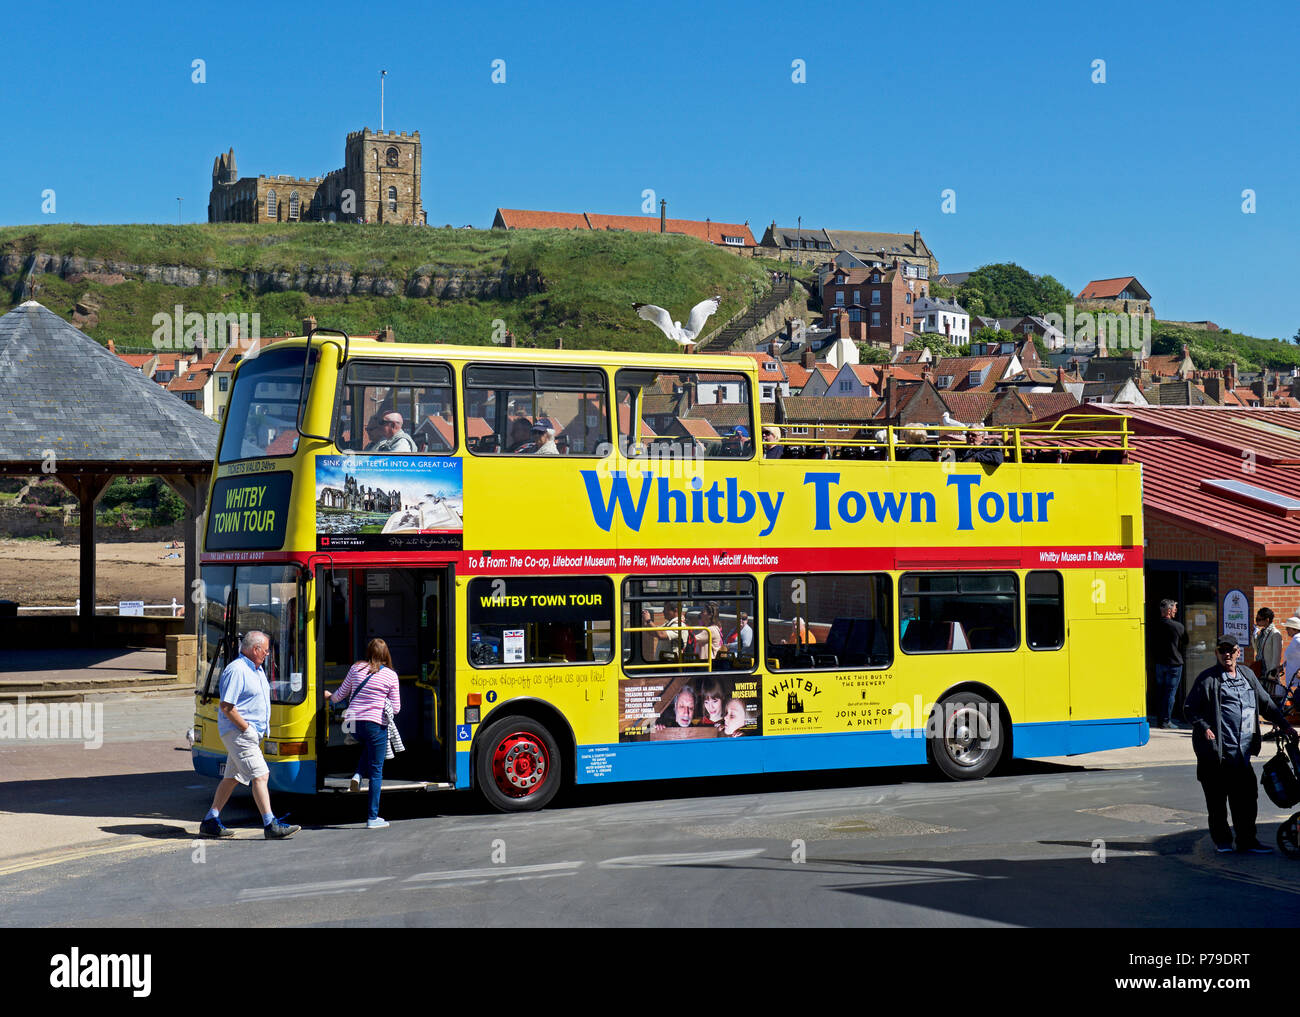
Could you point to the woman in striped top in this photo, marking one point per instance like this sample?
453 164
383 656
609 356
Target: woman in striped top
366 710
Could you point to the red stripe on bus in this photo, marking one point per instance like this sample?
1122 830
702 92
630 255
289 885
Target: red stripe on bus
693 560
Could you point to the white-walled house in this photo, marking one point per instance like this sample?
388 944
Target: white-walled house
945 317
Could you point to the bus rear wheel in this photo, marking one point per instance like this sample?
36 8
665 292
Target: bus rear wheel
518 765
966 736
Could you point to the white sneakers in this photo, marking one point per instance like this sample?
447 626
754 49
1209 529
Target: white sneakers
355 783
376 824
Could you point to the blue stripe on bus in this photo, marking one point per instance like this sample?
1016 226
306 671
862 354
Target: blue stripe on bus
1070 738
297 776
711 757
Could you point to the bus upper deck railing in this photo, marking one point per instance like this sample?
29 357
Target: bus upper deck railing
1041 443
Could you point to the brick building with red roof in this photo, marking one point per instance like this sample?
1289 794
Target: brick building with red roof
1221 513
733 236
1123 294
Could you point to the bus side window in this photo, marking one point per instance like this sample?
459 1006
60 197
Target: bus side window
536 411
420 393
1044 611
829 621
953 612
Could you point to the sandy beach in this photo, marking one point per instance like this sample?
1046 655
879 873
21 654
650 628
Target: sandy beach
37 572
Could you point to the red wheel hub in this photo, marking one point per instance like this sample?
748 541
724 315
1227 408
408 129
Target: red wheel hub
520 764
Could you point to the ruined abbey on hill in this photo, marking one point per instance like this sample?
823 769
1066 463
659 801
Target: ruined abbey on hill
379 182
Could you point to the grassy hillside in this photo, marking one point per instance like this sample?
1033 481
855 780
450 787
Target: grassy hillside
590 279
1216 350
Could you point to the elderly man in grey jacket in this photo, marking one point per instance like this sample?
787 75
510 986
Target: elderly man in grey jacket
1223 708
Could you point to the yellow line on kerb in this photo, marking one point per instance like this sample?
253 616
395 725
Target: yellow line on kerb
73 855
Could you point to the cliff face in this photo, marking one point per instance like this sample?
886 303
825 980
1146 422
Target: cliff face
438 281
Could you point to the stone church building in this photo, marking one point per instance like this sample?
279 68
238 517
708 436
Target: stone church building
379 182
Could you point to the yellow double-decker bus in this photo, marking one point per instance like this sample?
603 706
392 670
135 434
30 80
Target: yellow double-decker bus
586 570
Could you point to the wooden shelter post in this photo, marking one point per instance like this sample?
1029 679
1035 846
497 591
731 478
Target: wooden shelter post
87 487
193 489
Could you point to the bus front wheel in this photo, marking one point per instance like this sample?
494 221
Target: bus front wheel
966 736
517 765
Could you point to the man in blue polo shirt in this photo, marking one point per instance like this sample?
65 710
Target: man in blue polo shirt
242 721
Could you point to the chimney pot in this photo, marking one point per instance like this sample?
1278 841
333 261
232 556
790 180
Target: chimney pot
112 348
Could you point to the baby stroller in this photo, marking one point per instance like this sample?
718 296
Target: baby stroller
1281 782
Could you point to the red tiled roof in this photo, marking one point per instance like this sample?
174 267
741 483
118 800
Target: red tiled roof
697 427
1049 404
868 374
797 375
191 381
285 442
1272 435
523 219
1172 471
136 360
477 427
709 231
721 414
443 426
969 407
516 218
764 374
831 409
1100 289
1165 363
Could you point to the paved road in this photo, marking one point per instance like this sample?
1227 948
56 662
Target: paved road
871 848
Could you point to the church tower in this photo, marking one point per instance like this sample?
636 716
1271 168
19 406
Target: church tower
383 168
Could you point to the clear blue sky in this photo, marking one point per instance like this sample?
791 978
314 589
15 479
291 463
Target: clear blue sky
1141 175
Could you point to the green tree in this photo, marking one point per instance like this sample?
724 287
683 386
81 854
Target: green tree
936 343
1006 290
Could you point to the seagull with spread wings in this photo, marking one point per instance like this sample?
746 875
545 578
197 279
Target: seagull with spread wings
684 337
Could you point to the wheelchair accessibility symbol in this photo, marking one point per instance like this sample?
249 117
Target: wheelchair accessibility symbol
462 732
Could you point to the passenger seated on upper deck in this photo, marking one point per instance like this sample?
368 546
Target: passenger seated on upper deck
981 450
772 450
914 436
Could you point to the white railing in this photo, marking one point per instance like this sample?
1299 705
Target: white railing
173 610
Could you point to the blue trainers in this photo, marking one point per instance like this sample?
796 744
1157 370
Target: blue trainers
213 828
278 829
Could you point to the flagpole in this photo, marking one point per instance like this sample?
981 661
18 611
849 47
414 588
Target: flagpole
382 75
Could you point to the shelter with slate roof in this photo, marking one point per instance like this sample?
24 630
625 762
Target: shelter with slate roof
72 410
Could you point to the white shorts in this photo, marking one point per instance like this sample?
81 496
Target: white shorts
244 760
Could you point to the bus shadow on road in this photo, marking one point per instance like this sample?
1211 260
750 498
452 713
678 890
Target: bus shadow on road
1160 879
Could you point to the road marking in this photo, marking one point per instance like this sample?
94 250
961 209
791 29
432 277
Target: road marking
544 875
57 858
903 875
670 861
1259 881
490 873
310 889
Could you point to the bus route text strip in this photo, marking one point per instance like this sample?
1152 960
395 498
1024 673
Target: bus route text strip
797 559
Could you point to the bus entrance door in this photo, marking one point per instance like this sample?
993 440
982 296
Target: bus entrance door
408 609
